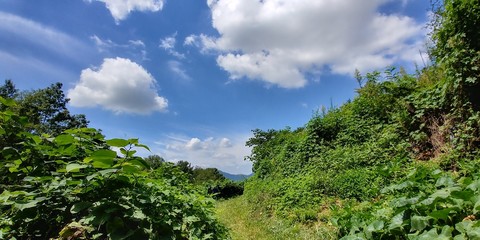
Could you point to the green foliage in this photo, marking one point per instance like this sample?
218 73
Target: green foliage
154 161
224 189
456 35
215 184
352 152
185 167
339 153
8 90
426 205
46 108
73 184
201 175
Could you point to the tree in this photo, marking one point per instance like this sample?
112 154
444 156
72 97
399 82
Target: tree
185 167
456 37
358 77
154 161
201 175
8 90
45 108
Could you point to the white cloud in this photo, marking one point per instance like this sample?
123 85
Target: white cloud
119 85
278 41
120 9
190 40
137 43
225 143
168 44
205 43
193 144
226 154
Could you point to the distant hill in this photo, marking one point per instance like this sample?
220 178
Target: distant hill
235 177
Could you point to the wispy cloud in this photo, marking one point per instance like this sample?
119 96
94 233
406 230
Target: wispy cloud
178 69
168 44
40 37
133 48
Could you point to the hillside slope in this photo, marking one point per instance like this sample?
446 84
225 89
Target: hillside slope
400 159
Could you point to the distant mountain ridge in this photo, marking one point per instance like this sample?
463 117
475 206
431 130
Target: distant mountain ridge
235 177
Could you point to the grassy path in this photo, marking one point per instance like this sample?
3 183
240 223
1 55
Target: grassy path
247 225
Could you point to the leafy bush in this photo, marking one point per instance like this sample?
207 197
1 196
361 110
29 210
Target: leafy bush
74 185
224 189
427 205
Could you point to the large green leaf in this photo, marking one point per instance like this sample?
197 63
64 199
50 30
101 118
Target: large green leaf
397 221
142 146
64 139
376 225
77 207
441 214
430 235
102 162
104 153
7 102
117 142
21 205
103 158
469 228
127 168
108 171
75 167
418 223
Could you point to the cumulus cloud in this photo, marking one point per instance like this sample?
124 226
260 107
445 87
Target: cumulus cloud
118 85
120 9
226 154
279 41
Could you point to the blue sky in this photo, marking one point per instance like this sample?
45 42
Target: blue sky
192 78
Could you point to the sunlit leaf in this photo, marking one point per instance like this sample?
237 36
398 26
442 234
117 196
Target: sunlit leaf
103 158
64 139
75 167
102 162
143 146
130 169
117 142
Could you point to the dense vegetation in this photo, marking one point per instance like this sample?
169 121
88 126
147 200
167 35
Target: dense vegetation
72 183
399 161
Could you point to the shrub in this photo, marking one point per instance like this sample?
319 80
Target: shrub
73 185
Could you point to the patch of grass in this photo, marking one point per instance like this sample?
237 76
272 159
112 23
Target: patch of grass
246 224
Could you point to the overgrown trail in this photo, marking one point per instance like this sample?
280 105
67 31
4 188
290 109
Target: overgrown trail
245 224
